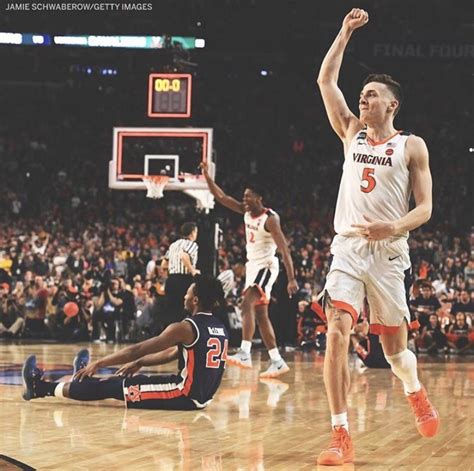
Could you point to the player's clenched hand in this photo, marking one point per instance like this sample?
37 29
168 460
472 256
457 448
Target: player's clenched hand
356 18
90 370
129 369
375 230
292 288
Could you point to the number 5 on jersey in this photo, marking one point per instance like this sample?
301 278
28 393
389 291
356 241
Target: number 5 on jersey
368 178
216 354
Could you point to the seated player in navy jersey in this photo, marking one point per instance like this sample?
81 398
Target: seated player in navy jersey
368 347
199 343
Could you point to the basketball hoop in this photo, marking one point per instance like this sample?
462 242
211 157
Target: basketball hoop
155 185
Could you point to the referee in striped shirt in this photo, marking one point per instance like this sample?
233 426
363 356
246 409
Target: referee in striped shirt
180 260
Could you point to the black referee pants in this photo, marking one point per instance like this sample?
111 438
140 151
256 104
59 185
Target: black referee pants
175 289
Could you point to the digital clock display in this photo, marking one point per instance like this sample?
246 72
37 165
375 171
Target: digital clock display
169 95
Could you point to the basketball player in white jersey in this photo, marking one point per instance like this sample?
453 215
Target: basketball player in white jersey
382 167
264 236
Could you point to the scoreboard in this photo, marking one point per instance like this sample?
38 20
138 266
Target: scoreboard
169 95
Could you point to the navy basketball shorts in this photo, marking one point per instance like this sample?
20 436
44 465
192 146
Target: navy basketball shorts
157 392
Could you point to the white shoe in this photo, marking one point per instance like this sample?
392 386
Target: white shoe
242 359
276 368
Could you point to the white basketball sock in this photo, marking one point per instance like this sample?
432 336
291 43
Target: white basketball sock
58 390
274 354
246 346
404 367
340 420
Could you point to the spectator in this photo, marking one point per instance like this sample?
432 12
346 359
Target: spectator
151 267
432 338
425 304
11 316
128 308
464 304
459 335
107 311
35 306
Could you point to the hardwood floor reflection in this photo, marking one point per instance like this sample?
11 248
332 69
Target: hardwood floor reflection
251 425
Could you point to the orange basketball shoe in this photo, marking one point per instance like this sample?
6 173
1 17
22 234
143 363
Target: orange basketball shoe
426 416
339 451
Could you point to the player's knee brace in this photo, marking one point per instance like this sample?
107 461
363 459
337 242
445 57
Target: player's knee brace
402 361
404 366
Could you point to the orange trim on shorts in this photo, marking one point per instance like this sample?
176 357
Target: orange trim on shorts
378 329
346 307
319 311
263 301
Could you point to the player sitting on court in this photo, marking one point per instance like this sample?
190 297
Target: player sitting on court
367 346
199 342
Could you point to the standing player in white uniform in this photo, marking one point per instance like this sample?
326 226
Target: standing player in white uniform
263 235
370 252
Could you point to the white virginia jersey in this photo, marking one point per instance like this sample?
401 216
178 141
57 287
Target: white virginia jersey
261 247
375 182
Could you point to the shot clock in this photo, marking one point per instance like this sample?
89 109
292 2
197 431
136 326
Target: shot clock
169 95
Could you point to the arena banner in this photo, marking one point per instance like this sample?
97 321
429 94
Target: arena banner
424 50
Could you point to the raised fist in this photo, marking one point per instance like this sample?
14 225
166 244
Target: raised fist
356 18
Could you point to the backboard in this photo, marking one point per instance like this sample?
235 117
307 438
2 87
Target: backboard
176 152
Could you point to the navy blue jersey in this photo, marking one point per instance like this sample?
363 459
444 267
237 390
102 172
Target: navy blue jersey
201 364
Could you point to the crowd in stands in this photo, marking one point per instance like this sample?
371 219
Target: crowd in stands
66 238
106 258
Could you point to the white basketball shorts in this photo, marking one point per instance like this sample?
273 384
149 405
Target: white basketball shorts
379 271
263 276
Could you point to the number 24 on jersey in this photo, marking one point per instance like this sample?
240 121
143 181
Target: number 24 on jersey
216 353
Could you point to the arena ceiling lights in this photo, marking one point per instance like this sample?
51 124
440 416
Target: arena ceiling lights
104 41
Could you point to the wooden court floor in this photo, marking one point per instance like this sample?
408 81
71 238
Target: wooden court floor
251 425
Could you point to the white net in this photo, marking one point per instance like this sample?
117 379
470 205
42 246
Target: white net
155 186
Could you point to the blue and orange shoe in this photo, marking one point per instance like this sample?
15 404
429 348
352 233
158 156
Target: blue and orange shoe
31 374
81 360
